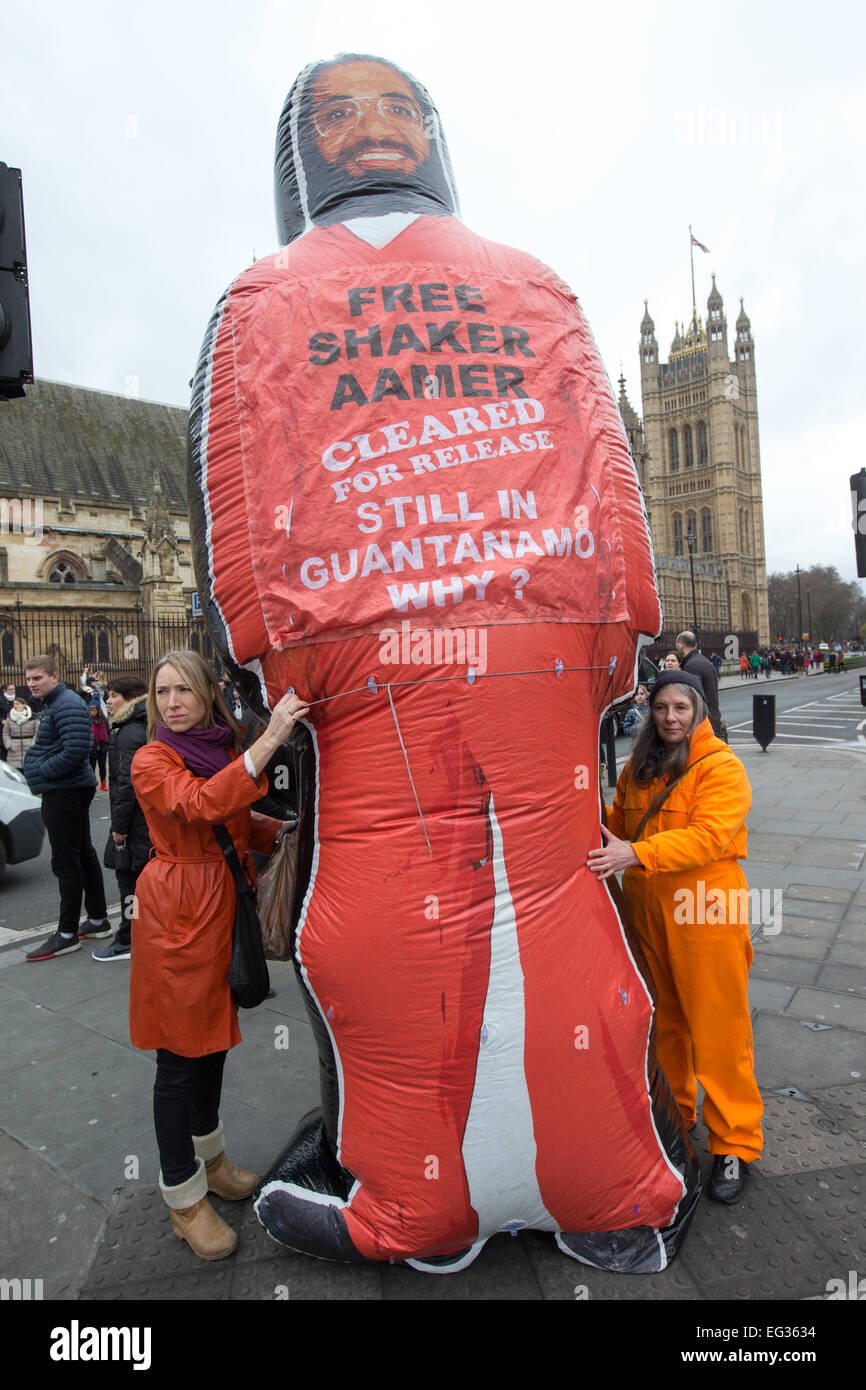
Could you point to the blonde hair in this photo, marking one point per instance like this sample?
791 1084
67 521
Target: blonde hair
201 679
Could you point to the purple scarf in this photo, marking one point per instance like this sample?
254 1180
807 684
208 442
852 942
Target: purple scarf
205 751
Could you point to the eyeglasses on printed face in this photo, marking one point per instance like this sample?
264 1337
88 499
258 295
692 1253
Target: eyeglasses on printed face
342 114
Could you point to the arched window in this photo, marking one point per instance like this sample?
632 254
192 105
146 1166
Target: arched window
61 573
674 442
103 655
703 445
678 534
706 531
7 649
692 525
689 447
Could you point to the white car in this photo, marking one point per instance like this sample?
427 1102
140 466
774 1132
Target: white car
22 829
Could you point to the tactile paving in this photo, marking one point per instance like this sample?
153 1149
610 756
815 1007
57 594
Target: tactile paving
567 1280
847 1106
299 1278
757 1249
209 1282
502 1270
799 1136
830 1205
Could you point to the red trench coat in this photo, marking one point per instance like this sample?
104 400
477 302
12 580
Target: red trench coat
179 997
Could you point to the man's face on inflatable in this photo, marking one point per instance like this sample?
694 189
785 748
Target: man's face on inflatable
366 119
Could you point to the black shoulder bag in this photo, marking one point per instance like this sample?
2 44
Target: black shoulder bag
249 981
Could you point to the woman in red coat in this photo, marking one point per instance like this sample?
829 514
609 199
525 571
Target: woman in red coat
190 776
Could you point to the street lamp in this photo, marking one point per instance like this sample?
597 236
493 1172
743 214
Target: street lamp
809 610
691 541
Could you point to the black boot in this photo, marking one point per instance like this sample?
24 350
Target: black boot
728 1178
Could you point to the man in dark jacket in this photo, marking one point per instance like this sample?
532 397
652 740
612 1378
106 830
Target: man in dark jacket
126 698
692 661
57 766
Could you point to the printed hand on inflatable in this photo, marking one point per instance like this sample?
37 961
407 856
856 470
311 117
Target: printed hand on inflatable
414 504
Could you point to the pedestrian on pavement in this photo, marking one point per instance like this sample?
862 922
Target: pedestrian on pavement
694 661
98 743
717 664
19 731
678 827
190 777
129 840
56 766
7 699
744 666
635 717
754 663
671 662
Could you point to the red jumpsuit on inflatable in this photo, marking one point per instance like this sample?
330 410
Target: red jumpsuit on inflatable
413 501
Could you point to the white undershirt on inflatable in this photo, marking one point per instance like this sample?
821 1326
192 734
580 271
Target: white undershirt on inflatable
378 231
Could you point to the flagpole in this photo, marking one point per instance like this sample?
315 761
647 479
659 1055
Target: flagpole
692 259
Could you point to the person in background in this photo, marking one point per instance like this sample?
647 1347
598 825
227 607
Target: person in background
56 766
717 664
695 662
19 731
637 714
671 662
7 699
126 698
754 665
744 666
98 743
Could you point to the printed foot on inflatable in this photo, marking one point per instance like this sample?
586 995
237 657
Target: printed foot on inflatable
413 502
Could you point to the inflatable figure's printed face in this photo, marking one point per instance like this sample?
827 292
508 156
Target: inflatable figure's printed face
366 117
358 137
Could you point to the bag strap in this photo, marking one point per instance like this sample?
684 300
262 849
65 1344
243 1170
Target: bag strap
227 845
661 797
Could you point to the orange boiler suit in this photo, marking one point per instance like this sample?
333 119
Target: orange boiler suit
697 942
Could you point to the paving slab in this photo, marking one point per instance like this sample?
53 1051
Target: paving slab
826 1007
789 944
757 1250
790 969
847 1106
769 994
811 910
503 1270
800 1136
809 927
830 1204
787 1053
566 1280
843 979
818 893
59 1245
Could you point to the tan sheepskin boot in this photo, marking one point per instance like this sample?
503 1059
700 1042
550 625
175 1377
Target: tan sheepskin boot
224 1178
194 1220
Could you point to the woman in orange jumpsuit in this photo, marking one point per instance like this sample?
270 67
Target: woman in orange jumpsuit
689 902
188 778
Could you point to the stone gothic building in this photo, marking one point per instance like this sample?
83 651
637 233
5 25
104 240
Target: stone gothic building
697 453
95 562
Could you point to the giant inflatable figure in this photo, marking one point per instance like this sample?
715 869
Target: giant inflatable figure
413 501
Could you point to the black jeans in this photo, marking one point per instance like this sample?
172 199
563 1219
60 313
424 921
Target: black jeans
99 751
74 861
126 887
186 1101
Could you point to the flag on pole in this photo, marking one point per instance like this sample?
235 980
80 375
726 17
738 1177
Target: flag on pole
699 244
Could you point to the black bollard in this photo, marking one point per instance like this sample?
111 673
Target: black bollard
764 719
863 687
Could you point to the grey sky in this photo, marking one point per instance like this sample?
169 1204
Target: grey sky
589 137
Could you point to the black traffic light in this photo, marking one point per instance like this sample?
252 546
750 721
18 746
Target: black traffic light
16 353
858 505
